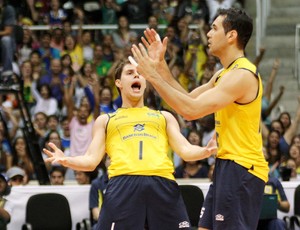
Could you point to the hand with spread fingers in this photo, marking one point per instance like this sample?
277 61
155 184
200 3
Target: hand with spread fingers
55 156
149 55
155 47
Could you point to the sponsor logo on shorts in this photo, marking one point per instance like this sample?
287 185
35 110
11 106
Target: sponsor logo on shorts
184 224
219 217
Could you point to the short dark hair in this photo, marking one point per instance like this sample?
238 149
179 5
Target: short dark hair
57 168
239 20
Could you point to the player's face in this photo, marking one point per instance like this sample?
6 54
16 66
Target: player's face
131 82
216 36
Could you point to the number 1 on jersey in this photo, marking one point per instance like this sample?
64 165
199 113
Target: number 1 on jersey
140 150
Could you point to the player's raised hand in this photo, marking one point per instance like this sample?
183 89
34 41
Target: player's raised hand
155 47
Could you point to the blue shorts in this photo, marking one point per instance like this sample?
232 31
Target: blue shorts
233 200
142 202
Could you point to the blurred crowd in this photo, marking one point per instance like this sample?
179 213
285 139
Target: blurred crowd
66 77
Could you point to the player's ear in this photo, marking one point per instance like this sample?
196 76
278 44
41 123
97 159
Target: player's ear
118 83
232 34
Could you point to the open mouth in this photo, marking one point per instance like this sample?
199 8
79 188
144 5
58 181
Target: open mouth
136 86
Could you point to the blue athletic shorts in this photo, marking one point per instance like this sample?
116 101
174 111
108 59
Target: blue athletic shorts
234 199
142 202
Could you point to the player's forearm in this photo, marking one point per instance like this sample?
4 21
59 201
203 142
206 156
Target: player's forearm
80 163
166 74
194 153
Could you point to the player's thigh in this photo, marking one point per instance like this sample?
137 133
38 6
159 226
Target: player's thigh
124 206
237 198
165 207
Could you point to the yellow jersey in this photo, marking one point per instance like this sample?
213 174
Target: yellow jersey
137 143
238 128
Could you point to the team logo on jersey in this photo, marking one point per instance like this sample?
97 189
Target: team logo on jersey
184 224
139 127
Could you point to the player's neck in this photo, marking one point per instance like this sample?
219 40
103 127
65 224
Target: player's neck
133 104
229 57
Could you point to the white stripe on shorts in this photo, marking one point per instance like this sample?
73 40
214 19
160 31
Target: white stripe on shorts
112 226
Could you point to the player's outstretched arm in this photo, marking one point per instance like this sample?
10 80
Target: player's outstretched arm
91 159
182 146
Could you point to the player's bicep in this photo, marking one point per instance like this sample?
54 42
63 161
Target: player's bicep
96 149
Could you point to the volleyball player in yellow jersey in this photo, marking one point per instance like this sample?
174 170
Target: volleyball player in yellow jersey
234 95
141 189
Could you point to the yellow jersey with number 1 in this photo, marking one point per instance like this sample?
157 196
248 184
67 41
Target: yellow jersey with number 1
238 128
137 143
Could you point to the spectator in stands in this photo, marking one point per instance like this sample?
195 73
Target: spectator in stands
9 125
291 164
285 119
56 15
22 159
4 191
109 13
286 136
183 31
55 80
163 11
207 130
27 78
274 186
6 155
193 10
273 154
80 126
73 45
211 66
82 80
294 153
53 123
296 140
40 126
57 175
87 45
137 11
65 135
101 65
267 104
66 65
83 177
192 169
67 29
25 49
44 101
106 102
37 65
196 51
124 36
57 39
16 176
8 45
47 52
97 192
